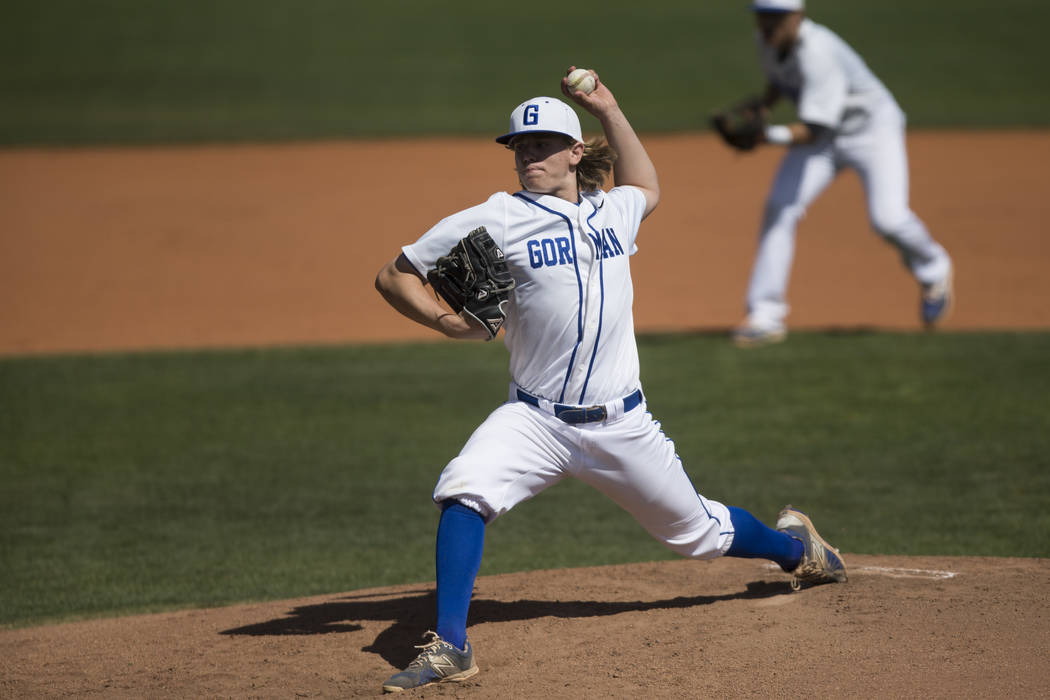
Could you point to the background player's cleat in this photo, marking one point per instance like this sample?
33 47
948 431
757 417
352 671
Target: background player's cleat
439 662
748 336
936 302
821 563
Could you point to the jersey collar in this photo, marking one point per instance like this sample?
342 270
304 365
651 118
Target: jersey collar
594 199
551 202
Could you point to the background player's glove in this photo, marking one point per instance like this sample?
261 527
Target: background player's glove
474 279
741 126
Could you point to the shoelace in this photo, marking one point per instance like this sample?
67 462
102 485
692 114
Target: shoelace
428 649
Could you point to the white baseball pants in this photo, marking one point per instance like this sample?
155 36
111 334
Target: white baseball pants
519 451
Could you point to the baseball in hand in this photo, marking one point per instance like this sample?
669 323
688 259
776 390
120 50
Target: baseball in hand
581 80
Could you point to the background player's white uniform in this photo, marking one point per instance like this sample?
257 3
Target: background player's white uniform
833 87
570 334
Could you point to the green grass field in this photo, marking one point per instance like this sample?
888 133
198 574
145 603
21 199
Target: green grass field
137 482
134 71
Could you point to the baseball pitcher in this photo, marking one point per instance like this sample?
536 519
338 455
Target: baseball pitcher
575 405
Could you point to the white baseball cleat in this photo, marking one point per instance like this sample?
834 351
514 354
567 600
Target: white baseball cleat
748 336
821 563
935 304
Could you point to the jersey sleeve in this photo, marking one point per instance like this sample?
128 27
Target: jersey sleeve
436 242
824 85
630 202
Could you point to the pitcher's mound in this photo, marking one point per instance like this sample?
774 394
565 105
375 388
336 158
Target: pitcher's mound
901 627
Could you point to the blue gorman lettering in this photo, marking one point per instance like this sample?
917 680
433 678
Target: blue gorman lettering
549 252
608 242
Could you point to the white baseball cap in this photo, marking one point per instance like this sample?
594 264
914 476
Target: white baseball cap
544 114
778 5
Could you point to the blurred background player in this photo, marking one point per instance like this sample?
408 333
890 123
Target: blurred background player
846 118
576 407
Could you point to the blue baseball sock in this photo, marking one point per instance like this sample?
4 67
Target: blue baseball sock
460 543
753 540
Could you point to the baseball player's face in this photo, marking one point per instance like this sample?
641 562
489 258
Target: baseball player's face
779 29
546 162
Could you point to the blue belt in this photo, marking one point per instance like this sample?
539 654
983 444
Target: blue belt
582 414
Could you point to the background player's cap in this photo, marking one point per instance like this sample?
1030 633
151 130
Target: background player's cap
778 5
545 114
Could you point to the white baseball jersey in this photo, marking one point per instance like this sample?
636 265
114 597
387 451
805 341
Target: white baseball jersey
829 82
569 328
570 333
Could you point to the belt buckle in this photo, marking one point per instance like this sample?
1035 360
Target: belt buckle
596 413
586 414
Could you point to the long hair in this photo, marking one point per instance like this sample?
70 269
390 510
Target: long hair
597 162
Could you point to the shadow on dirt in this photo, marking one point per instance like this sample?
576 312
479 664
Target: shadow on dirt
412 613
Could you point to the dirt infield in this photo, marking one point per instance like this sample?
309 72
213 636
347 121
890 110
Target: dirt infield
902 627
246 245
228 246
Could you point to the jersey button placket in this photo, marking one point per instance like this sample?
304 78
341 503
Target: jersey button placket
592 303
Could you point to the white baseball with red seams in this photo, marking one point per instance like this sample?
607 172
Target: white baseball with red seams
581 79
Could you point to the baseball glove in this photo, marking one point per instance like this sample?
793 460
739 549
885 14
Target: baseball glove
741 126
474 280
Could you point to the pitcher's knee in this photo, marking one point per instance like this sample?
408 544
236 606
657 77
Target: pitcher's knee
704 535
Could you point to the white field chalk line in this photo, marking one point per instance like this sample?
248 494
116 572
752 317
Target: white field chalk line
905 573
893 572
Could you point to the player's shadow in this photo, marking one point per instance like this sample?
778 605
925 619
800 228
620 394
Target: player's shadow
413 612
